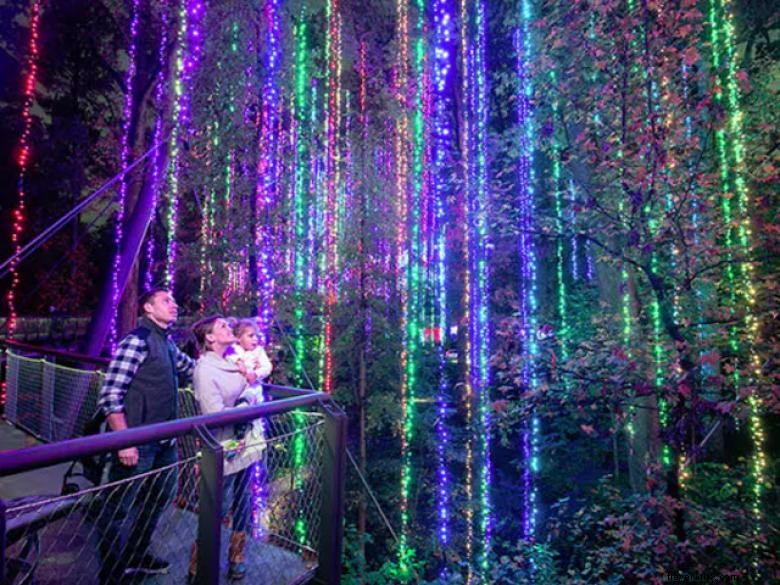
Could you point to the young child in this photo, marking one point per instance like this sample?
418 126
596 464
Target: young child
251 359
249 355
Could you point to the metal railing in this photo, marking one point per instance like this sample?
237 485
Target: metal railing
100 533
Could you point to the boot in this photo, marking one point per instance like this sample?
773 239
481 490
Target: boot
192 569
236 558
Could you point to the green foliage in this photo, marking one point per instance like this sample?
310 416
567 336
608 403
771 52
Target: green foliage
615 537
631 207
356 571
524 562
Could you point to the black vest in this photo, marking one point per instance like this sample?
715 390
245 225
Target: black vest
151 396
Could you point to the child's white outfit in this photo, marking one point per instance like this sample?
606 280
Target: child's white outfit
255 361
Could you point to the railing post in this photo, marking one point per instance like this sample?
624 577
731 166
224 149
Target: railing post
209 508
332 513
2 541
12 386
47 400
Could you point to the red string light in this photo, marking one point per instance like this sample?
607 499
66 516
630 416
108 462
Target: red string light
333 120
23 159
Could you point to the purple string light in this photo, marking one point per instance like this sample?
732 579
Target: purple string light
196 11
127 113
575 265
267 165
188 51
265 193
159 159
442 141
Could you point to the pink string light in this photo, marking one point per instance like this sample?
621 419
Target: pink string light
23 160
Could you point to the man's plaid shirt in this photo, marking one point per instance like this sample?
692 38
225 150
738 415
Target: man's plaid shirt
130 354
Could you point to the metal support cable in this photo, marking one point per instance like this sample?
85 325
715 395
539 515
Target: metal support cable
45 279
33 244
373 497
349 453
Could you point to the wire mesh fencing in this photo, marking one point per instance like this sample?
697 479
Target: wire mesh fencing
288 492
142 527
95 535
55 402
51 401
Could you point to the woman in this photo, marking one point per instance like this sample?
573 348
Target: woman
218 384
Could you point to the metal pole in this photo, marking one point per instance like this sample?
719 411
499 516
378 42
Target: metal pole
134 230
46 428
2 541
332 511
11 378
209 508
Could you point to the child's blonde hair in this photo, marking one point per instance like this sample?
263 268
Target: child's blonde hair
244 324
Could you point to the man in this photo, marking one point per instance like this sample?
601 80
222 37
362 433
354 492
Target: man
141 388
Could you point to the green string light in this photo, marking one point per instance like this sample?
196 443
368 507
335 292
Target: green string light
561 292
301 203
730 145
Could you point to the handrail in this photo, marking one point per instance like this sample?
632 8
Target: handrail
76 357
19 460
287 391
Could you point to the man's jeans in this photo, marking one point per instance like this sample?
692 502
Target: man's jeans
131 510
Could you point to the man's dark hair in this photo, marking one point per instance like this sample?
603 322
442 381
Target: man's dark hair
147 297
203 328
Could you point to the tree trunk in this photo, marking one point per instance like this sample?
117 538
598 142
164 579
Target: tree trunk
135 228
682 412
644 441
128 306
363 458
362 335
138 213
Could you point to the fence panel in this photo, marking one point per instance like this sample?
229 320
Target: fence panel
24 392
79 538
51 401
288 488
75 399
86 537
